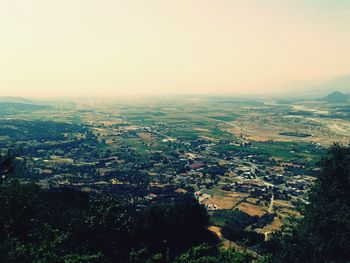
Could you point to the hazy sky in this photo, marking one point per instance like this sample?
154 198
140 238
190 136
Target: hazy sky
112 47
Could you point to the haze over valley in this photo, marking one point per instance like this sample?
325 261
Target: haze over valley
175 131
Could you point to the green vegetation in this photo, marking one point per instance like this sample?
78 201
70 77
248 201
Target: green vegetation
235 222
287 151
295 134
208 254
15 107
237 219
117 183
323 234
21 130
66 225
224 117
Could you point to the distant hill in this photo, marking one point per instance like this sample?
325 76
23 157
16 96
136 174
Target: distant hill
15 100
15 107
336 97
313 90
339 84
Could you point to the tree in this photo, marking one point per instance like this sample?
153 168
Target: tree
174 226
205 253
323 234
7 165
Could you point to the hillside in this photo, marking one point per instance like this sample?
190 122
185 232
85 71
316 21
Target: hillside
336 97
15 107
322 89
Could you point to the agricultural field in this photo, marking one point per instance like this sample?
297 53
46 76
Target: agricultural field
252 156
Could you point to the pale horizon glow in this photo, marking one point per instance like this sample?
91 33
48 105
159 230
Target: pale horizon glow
114 47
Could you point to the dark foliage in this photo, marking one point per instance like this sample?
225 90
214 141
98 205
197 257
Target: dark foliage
323 234
234 223
208 254
66 225
8 167
21 130
175 226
